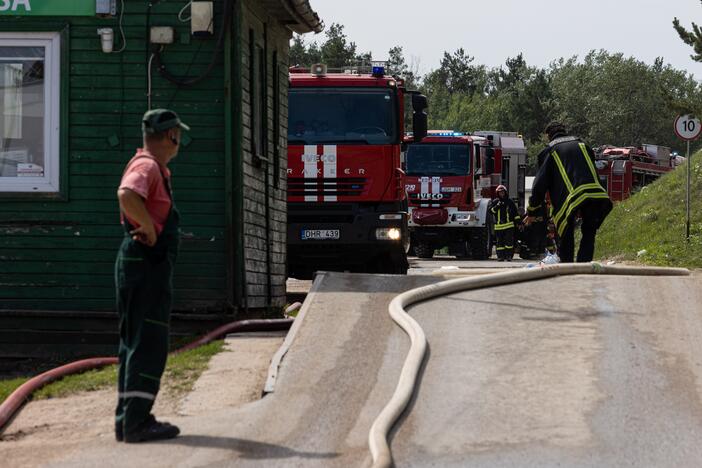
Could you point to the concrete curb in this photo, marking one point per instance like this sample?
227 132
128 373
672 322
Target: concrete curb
277 359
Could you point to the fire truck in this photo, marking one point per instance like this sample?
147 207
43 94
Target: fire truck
347 208
623 171
450 179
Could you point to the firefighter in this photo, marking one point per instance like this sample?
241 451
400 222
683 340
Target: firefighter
505 215
568 175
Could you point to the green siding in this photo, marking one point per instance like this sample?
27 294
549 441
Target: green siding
58 254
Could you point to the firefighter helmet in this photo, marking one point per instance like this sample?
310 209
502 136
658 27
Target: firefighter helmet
501 188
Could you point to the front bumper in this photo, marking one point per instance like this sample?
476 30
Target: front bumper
456 219
358 242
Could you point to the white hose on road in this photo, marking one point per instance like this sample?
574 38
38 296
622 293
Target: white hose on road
377 439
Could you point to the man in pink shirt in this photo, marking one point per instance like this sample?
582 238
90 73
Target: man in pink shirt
144 275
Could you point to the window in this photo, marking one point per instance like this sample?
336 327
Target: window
431 159
29 112
276 118
342 115
258 98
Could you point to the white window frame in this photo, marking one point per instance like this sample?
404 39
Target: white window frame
51 41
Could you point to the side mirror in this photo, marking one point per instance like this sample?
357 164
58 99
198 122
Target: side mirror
419 116
490 160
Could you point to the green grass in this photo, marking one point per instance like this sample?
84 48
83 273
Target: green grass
649 227
182 370
8 386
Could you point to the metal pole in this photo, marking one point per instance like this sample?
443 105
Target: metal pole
687 204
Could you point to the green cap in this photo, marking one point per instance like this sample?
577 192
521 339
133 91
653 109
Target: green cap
160 120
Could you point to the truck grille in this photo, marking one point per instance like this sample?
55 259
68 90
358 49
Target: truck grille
414 200
321 213
329 186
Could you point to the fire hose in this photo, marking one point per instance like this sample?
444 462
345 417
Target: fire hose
377 438
13 403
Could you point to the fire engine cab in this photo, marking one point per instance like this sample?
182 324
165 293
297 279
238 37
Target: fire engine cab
450 179
622 171
347 208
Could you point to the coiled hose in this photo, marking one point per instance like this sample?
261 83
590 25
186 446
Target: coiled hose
377 438
12 404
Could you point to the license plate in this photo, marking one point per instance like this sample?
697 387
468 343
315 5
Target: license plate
320 234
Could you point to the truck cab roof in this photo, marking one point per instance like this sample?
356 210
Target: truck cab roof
303 78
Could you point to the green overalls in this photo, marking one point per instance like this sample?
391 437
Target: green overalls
144 284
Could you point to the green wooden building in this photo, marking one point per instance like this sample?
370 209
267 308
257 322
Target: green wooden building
75 78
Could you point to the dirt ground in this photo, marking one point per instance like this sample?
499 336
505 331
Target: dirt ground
47 430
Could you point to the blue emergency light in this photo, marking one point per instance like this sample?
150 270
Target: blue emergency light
378 70
447 134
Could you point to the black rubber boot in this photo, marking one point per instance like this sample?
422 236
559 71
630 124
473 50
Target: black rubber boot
151 429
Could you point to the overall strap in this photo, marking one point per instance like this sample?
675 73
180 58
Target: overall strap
127 225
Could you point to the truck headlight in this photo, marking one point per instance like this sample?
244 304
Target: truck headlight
391 234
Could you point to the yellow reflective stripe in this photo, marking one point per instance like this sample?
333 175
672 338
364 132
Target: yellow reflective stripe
561 169
498 217
533 208
589 163
575 204
574 194
500 227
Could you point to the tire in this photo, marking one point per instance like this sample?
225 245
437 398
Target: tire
481 243
424 250
389 264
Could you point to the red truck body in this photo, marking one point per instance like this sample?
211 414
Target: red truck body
622 171
346 200
450 179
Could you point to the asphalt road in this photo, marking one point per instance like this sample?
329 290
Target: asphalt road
576 371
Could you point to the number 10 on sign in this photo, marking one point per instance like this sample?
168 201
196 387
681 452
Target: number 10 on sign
687 128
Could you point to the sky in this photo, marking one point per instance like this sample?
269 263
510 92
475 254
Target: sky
493 30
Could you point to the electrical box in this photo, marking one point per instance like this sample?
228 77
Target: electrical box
202 19
161 35
106 7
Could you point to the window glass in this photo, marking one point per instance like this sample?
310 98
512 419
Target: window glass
28 113
342 115
425 159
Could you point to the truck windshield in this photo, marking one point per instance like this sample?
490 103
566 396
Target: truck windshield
428 159
342 115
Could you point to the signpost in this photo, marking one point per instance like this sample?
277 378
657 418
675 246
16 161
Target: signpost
687 128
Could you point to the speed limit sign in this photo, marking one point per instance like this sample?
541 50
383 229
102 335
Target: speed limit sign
687 127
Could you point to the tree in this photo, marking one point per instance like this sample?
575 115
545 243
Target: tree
336 51
302 54
688 104
611 99
398 66
692 38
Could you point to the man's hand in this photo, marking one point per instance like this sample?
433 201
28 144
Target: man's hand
528 220
145 235
133 206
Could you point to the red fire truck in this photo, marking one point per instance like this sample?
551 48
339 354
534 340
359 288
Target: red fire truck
347 208
450 179
623 171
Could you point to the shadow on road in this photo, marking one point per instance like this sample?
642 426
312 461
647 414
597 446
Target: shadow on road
247 448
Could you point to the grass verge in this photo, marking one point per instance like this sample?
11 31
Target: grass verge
182 370
649 227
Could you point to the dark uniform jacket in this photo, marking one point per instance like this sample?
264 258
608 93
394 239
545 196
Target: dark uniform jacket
569 176
504 212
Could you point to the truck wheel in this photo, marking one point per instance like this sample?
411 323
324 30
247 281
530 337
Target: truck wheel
424 250
481 244
398 265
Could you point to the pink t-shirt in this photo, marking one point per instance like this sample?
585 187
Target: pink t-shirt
143 176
